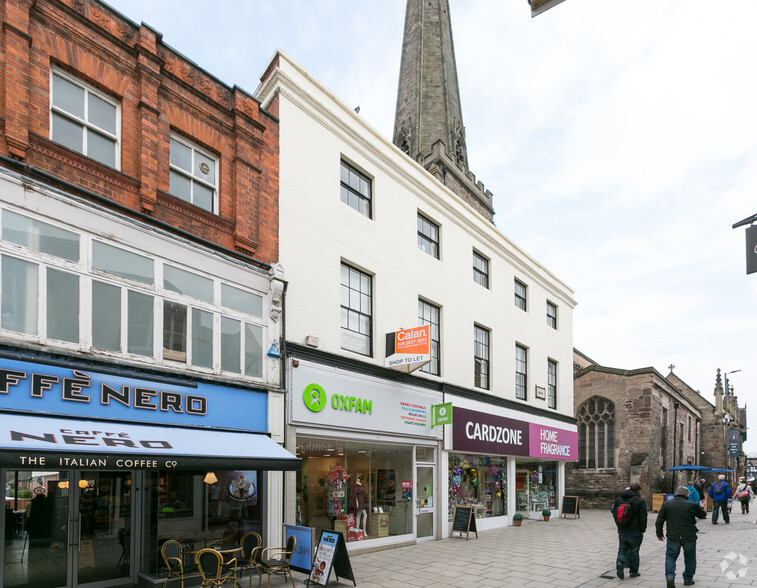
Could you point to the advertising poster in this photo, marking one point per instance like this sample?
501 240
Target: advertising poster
324 558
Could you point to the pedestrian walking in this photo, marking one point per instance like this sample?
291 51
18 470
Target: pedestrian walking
694 495
679 516
630 515
720 492
744 494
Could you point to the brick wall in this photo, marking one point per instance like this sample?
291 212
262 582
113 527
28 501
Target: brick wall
159 92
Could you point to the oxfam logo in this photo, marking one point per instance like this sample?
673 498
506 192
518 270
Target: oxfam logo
314 397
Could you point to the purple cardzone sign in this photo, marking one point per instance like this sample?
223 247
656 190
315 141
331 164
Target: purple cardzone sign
480 432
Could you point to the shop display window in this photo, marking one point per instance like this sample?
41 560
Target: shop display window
199 509
328 495
536 486
480 481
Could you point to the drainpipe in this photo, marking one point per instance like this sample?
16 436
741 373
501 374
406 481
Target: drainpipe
675 436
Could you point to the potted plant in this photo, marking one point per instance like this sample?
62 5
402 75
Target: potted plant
517 519
546 513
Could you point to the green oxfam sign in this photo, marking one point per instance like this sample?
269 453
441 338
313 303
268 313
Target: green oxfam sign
315 399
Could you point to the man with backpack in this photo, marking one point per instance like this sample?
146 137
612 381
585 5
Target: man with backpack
720 492
630 516
680 515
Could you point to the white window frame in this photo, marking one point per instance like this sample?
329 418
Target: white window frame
195 148
88 89
156 290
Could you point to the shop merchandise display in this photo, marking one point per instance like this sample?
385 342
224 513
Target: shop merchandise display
478 481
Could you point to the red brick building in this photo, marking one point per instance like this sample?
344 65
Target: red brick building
141 394
157 94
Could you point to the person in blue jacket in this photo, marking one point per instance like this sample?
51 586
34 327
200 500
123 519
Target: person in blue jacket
720 492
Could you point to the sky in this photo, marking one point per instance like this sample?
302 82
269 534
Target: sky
619 139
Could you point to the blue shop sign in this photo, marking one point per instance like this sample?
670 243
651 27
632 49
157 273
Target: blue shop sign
52 389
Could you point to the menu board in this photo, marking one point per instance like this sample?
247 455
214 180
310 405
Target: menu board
331 553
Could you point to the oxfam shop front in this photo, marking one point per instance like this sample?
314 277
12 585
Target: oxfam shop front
368 455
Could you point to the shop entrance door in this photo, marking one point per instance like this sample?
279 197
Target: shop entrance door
74 531
425 503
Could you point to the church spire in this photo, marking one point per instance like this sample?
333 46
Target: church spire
428 123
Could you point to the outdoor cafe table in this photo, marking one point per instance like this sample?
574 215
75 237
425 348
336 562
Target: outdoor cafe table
226 550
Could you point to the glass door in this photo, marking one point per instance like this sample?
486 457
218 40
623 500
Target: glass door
67 528
37 553
425 504
102 546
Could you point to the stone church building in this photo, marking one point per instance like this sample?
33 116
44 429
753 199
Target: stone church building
635 424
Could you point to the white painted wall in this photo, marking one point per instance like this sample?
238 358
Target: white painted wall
318 232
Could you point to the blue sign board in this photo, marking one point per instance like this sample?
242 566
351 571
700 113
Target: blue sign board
79 391
302 560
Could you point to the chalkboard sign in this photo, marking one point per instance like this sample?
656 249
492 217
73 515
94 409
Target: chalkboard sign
464 521
331 554
570 507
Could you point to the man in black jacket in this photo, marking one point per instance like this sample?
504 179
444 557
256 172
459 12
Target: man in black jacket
630 534
681 516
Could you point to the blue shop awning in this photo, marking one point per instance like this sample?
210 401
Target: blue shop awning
46 442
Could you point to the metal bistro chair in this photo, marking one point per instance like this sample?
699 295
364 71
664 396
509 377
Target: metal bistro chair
278 561
251 546
173 556
212 568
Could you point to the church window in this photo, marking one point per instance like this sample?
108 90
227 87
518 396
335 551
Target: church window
596 434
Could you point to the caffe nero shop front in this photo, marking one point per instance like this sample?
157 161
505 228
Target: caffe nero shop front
101 467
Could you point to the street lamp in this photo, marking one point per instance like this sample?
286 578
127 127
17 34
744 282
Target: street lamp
727 417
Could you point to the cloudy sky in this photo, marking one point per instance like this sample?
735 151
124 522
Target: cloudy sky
619 139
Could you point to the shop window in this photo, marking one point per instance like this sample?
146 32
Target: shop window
327 493
357 310
106 316
193 176
138 305
40 236
20 282
84 120
123 263
596 434
428 314
480 481
199 509
62 306
174 331
536 486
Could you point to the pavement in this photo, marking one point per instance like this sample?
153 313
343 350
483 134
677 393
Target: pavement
566 552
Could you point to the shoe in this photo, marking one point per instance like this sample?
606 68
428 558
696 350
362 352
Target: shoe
671 582
688 582
714 522
728 522
635 574
619 570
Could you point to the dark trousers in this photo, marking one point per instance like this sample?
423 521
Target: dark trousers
722 505
628 550
672 551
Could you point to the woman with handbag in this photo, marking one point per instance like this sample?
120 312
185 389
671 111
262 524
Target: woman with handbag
744 494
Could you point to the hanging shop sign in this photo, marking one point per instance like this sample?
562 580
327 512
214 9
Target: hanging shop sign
751 249
409 349
66 389
441 414
328 396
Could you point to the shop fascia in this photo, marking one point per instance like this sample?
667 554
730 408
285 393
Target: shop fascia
479 432
327 396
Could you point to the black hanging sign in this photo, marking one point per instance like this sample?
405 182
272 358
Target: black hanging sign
751 249
464 521
331 553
